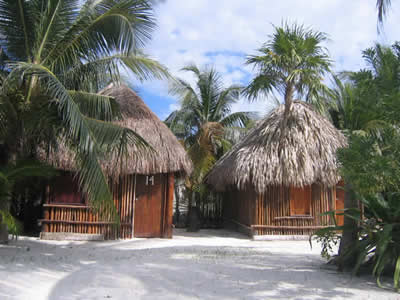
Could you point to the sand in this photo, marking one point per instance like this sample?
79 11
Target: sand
211 264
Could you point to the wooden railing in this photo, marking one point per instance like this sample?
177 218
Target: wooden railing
81 219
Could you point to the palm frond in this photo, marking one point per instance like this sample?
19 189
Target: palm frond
192 68
76 126
104 27
16 28
238 119
144 68
96 106
93 182
226 98
27 168
115 139
52 19
262 84
382 7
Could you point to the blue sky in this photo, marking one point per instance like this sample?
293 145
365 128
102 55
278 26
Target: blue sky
223 32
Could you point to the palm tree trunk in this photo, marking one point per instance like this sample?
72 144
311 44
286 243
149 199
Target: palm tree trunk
349 235
289 92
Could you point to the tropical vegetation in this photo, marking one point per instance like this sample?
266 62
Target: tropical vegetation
362 104
293 63
56 56
205 122
22 172
365 106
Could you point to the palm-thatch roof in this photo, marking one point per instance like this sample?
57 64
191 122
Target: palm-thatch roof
298 153
168 155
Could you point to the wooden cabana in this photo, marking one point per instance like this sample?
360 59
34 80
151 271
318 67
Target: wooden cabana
283 175
142 187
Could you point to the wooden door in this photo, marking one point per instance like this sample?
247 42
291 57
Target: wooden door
148 206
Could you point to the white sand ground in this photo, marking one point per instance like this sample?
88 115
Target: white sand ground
205 265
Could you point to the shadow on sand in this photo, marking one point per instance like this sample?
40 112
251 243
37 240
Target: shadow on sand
137 270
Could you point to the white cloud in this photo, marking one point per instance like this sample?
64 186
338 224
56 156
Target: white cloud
173 106
217 32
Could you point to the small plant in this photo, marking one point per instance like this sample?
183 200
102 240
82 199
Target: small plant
329 240
379 237
10 175
378 241
13 225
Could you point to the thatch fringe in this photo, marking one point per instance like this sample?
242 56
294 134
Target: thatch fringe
302 154
169 156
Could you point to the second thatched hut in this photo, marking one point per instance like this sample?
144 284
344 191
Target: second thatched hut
282 175
142 187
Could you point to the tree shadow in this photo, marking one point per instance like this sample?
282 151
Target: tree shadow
210 233
136 270
205 273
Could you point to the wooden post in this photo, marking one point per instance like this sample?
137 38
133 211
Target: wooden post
46 215
133 207
169 206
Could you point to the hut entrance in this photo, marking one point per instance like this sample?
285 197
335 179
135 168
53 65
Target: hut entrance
148 207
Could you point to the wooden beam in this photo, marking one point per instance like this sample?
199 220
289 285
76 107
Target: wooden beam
289 227
294 217
81 222
66 206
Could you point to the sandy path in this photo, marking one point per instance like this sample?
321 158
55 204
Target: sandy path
206 265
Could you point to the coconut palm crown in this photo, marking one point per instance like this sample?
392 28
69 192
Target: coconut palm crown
293 63
207 101
204 116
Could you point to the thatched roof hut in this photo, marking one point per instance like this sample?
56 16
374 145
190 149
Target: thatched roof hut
168 156
301 154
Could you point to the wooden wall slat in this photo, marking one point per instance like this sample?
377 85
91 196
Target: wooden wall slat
270 208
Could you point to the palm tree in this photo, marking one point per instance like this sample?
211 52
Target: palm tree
205 113
293 63
363 99
363 104
204 119
351 102
59 54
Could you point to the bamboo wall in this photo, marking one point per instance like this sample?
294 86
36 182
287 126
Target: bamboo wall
67 218
269 213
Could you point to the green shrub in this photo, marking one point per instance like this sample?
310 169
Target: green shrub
13 225
371 164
